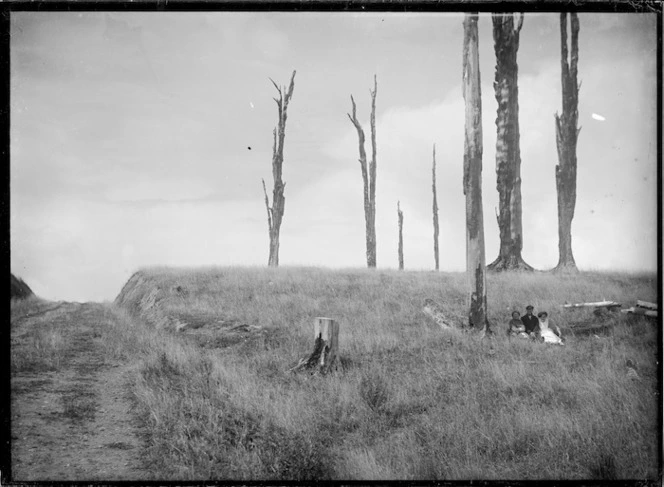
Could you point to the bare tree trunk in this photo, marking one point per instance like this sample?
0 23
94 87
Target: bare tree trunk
400 216
508 152
472 176
323 359
368 177
435 210
566 138
275 214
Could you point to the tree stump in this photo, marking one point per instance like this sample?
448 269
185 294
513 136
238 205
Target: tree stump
326 341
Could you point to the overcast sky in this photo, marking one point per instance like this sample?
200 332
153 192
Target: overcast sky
130 137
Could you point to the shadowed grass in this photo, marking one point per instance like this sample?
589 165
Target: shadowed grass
411 401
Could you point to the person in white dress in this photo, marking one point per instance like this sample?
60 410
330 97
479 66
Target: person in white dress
547 334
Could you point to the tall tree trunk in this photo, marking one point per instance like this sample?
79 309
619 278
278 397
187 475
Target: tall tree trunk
508 152
400 216
435 209
368 176
275 213
567 135
472 176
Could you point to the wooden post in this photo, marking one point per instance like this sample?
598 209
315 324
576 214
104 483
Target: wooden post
326 343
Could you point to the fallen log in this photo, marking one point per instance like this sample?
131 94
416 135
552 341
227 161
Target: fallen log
598 304
641 311
326 343
433 311
646 304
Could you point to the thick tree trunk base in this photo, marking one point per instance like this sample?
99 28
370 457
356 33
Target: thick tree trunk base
565 269
323 358
512 263
486 332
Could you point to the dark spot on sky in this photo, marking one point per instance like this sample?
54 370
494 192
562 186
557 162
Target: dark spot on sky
249 148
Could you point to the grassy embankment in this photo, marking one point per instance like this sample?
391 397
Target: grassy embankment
40 349
412 400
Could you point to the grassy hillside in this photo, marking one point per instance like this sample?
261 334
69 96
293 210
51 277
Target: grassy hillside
410 401
19 289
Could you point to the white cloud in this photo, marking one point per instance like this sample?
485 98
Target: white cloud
167 116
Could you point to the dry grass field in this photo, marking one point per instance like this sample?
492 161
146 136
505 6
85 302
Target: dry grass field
211 384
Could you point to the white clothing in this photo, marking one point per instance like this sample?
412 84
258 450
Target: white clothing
547 333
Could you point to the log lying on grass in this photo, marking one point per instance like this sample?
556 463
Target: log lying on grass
326 344
598 304
644 308
433 311
641 311
646 305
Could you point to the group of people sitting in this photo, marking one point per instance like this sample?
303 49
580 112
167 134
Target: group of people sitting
534 327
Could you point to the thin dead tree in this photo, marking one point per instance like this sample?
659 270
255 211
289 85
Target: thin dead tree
275 213
368 176
400 217
567 135
506 29
472 176
435 209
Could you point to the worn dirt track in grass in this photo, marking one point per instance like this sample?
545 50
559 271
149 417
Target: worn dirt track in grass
74 422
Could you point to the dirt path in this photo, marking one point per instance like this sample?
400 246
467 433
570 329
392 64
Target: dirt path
70 412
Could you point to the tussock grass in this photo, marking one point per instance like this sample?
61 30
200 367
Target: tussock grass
43 350
411 401
37 349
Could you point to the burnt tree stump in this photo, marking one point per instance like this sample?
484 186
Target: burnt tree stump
326 342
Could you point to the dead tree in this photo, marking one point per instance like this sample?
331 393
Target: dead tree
368 177
567 135
435 210
472 175
506 29
275 213
400 216
323 359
